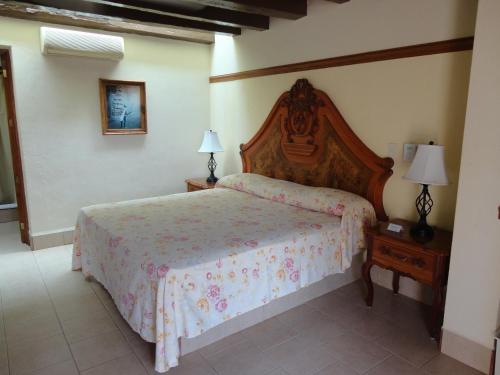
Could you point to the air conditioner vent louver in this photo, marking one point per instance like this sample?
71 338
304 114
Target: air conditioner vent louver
78 43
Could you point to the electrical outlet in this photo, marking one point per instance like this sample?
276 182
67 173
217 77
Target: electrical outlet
409 151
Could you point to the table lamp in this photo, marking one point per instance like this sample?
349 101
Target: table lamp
210 145
426 169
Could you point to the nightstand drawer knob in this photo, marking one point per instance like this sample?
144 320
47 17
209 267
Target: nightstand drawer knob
417 262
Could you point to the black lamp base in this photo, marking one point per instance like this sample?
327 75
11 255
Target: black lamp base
423 232
212 179
211 167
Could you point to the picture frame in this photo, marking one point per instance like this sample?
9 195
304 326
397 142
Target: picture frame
123 107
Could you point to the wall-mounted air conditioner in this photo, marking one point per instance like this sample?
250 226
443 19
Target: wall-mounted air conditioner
78 43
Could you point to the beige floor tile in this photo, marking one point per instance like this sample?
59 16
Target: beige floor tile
126 365
52 273
353 314
63 368
29 290
410 315
372 326
33 355
39 327
443 365
243 358
4 370
3 355
130 335
68 287
269 333
78 306
220 345
324 330
102 294
356 352
356 289
337 368
192 364
278 371
26 282
300 317
53 255
394 366
31 310
334 305
25 299
301 356
97 350
94 324
415 347
145 352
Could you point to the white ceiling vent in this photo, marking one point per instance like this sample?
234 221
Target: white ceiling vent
78 43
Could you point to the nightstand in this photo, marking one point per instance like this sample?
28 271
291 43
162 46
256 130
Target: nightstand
195 184
424 262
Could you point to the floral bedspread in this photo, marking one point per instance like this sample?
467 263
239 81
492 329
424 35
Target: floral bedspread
179 265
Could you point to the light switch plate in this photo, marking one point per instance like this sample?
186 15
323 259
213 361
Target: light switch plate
409 151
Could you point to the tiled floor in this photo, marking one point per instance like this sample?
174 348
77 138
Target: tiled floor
53 322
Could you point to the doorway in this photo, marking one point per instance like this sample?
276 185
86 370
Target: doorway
12 193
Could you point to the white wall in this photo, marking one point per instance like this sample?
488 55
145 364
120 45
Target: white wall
331 30
473 301
411 100
68 163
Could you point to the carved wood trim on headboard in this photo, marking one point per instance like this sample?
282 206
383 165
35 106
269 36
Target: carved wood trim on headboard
306 140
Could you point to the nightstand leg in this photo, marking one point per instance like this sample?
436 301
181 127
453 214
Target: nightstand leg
395 282
437 307
367 266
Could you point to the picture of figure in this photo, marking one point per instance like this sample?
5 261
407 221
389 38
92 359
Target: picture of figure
123 107
123 121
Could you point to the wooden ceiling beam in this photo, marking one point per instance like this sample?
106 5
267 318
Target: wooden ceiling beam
136 15
219 16
291 9
63 17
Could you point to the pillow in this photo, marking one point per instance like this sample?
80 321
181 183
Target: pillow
327 200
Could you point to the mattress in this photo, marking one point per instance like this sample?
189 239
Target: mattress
179 265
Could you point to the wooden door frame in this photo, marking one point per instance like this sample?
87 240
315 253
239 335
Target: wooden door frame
15 146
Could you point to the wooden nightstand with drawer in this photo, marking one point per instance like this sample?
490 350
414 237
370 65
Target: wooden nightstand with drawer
195 184
424 262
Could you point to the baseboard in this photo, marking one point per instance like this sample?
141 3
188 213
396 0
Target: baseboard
8 214
44 240
466 351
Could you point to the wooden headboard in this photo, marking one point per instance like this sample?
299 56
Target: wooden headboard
306 140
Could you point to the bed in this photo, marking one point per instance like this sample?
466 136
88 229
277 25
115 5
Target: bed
296 215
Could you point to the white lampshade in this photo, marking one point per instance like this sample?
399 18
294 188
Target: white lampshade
428 166
210 142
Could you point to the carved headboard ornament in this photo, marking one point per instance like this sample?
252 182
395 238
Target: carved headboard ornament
300 126
306 140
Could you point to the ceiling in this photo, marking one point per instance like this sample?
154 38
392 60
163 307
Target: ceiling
193 20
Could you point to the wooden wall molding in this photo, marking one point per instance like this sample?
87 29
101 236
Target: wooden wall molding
445 46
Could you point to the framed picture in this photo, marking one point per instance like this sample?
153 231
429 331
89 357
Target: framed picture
123 107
